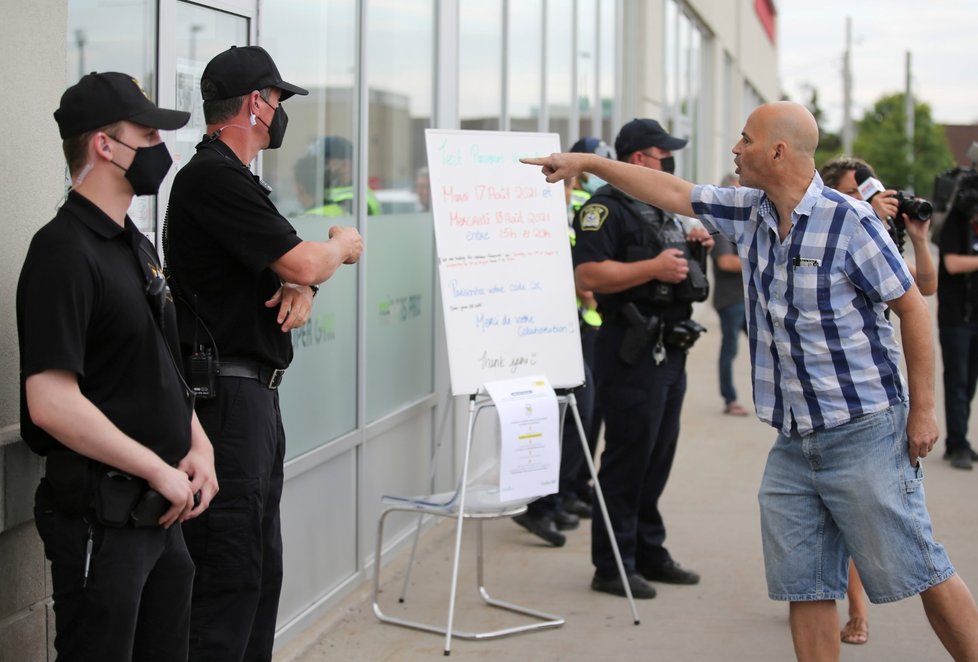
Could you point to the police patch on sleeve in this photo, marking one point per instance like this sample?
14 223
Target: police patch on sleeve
592 216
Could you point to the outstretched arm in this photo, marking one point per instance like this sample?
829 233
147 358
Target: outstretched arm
658 188
312 262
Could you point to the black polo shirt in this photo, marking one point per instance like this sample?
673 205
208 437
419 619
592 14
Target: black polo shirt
222 234
82 307
957 294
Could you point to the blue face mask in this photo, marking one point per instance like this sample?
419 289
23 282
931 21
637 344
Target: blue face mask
593 183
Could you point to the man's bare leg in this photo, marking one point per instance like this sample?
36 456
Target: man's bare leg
815 631
952 613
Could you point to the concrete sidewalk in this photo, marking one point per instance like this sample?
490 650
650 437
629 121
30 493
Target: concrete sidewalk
710 507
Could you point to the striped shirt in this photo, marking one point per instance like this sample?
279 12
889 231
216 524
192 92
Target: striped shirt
822 351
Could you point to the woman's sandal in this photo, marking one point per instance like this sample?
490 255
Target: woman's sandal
856 631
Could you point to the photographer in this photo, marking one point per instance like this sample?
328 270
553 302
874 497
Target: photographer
957 321
841 174
639 261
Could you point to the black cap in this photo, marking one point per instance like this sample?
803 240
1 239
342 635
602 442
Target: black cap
98 100
238 71
592 145
644 133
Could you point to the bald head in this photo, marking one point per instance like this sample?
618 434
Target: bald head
793 124
777 149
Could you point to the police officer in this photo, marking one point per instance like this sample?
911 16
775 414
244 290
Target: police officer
245 280
335 153
646 272
578 497
101 394
547 516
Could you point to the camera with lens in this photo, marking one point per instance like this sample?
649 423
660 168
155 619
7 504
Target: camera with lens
916 209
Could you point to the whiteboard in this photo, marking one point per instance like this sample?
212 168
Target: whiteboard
504 262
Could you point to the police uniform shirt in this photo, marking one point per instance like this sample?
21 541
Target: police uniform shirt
957 294
223 232
82 308
604 230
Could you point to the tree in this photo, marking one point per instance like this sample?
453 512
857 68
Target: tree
881 141
829 143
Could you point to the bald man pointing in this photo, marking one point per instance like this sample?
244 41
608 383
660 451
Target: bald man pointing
844 475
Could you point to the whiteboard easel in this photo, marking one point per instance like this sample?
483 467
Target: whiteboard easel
504 261
507 283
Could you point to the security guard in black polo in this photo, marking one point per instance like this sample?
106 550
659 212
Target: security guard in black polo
646 272
244 279
102 396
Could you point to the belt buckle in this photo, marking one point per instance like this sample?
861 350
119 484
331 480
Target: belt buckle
275 379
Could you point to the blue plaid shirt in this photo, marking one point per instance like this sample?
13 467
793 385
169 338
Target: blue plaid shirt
822 351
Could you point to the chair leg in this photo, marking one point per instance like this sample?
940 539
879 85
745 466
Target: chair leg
378 547
451 596
410 565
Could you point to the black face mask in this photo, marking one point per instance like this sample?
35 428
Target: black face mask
668 165
276 130
148 168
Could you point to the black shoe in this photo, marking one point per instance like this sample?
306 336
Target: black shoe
961 459
566 521
577 507
542 527
670 572
641 589
948 455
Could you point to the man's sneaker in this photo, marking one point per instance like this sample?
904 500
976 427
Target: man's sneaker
566 521
641 589
670 572
961 459
542 527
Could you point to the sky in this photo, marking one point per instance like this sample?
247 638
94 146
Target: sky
941 35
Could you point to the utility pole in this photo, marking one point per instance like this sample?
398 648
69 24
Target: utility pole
847 91
909 113
80 40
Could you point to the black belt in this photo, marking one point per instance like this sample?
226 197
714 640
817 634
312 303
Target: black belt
268 376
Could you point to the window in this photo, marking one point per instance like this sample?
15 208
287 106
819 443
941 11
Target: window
683 55
560 26
313 43
400 260
113 37
525 65
480 60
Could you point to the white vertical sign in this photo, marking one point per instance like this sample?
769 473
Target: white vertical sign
529 460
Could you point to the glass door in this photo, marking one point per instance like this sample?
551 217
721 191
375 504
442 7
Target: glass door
190 35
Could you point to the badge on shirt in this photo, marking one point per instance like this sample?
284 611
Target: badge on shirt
592 217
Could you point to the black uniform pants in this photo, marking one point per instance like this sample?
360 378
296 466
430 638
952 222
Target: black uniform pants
135 603
641 406
237 543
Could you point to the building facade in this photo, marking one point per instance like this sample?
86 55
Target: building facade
367 403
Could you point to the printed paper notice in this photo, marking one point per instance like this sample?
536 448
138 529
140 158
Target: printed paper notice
529 463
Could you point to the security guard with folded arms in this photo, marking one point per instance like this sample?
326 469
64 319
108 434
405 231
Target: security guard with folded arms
646 271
